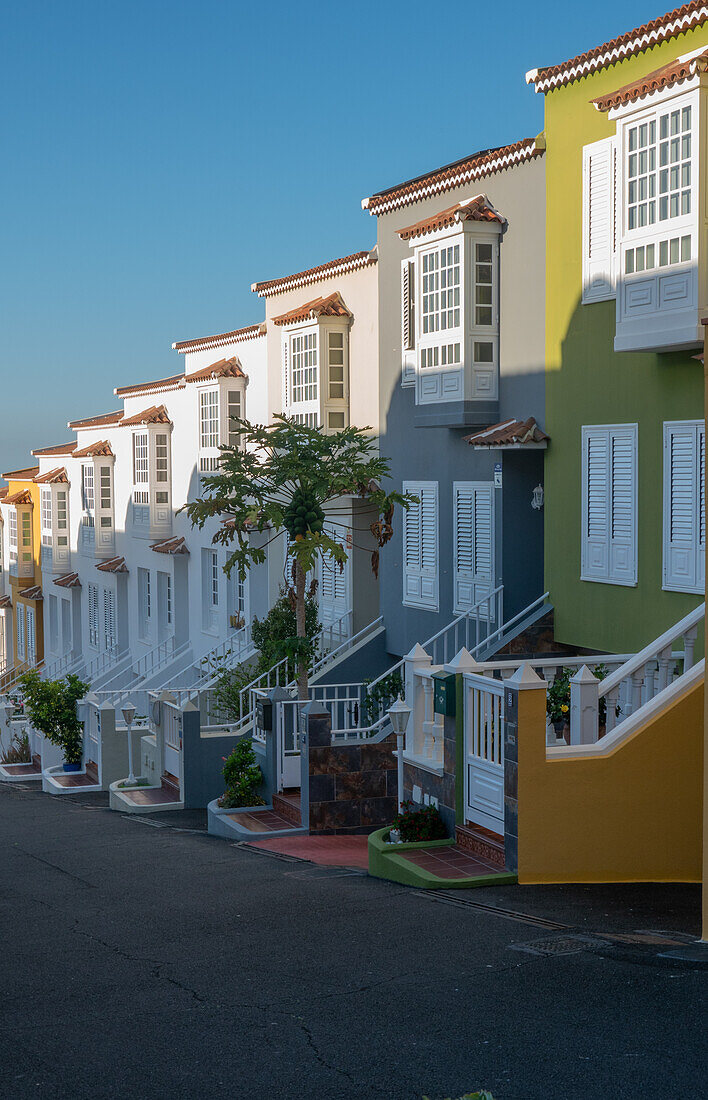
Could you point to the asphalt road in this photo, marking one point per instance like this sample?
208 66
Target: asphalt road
139 960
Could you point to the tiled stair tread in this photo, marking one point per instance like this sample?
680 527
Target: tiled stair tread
453 862
92 770
262 821
171 783
148 796
75 779
23 769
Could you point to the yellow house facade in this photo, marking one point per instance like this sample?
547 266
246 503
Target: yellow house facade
21 605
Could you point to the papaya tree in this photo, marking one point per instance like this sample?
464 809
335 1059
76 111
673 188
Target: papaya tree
280 482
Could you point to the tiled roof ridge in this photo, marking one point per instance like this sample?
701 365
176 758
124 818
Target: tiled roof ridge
22 496
510 432
173 382
100 421
664 77
57 449
27 473
474 167
250 332
666 26
68 580
478 208
112 565
327 270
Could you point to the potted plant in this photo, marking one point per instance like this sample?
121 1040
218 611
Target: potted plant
50 706
558 701
415 823
242 776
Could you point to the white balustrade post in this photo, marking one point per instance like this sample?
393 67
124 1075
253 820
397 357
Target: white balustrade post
689 642
429 717
413 661
611 701
584 701
636 696
665 662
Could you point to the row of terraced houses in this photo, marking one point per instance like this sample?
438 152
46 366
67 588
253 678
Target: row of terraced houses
525 339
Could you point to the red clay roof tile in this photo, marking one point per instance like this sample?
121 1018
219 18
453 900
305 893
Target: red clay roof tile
156 414
22 497
52 477
59 449
332 306
250 332
314 274
104 419
69 580
509 433
470 168
478 209
113 565
224 368
28 474
101 449
632 42
664 77
170 546
174 381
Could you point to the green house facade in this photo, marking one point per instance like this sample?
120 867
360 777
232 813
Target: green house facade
626 128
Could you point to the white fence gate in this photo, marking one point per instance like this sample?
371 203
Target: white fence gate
484 752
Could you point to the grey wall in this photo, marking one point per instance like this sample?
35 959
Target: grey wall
440 454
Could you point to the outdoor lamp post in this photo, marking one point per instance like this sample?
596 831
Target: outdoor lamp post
398 715
128 712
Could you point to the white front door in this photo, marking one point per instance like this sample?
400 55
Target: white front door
172 719
287 717
484 752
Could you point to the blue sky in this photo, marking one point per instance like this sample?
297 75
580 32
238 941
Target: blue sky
160 157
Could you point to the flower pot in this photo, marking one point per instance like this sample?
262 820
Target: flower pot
71 767
394 836
559 727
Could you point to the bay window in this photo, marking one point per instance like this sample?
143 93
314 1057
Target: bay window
316 374
152 514
88 505
450 314
641 230
218 406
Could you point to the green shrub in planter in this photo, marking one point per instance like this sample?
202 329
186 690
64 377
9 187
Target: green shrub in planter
242 776
50 706
417 823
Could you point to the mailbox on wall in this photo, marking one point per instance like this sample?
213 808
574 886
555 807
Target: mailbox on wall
264 714
444 693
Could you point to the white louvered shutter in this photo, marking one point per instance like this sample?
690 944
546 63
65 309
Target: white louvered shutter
420 546
286 376
21 632
599 220
31 636
407 322
684 506
109 619
596 517
609 547
93 614
473 543
622 507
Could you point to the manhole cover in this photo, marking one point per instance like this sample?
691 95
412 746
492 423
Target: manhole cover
557 945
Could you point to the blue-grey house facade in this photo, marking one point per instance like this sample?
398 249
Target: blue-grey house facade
461 387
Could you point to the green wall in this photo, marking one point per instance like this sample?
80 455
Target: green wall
588 383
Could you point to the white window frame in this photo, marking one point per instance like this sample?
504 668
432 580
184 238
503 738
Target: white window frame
683 568
605 557
421 581
408 331
31 630
439 334
141 468
144 605
209 419
13 534
234 402
210 591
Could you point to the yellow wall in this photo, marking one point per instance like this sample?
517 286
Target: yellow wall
634 815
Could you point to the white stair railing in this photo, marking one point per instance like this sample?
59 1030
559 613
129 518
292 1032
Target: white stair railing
643 676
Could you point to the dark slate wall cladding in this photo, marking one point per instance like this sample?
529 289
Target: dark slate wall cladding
442 786
353 788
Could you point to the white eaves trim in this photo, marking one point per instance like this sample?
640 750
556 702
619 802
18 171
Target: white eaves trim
570 71
316 275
